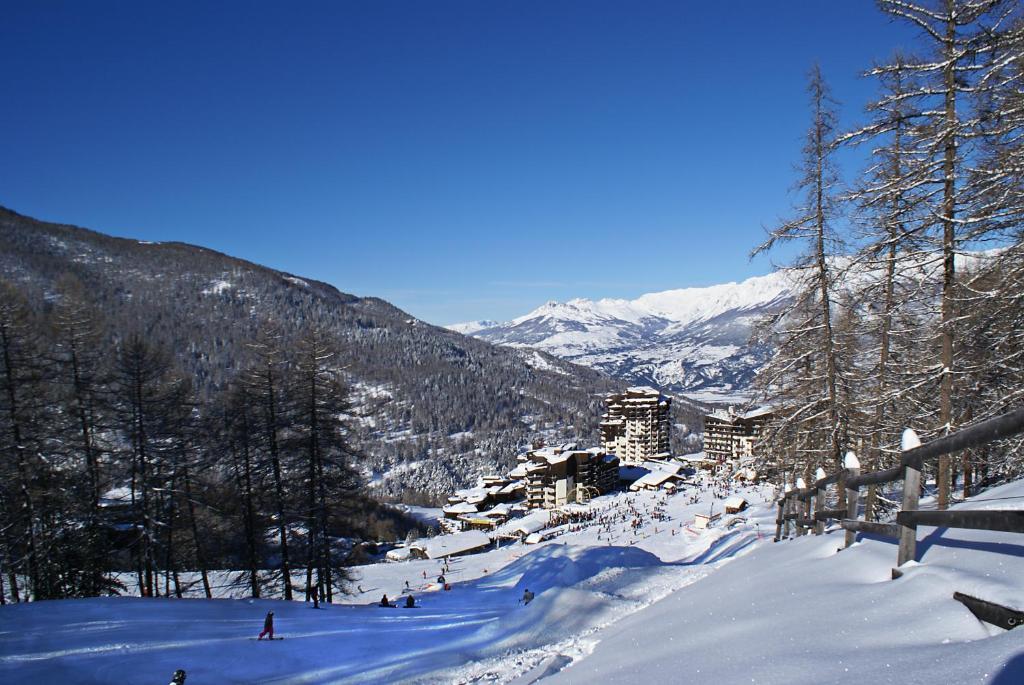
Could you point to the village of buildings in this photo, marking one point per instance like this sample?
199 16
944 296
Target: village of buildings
555 487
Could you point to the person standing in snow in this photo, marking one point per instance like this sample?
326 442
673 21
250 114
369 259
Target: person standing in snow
410 602
268 626
527 596
384 602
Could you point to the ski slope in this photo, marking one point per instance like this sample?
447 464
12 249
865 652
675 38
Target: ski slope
642 598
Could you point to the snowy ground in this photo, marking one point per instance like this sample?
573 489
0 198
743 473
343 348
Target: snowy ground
660 603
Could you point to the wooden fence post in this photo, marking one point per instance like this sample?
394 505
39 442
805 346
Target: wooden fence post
802 507
787 509
852 466
911 495
819 502
780 519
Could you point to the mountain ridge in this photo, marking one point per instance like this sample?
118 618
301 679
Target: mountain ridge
694 341
435 409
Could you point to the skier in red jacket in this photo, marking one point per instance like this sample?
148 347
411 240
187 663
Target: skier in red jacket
268 626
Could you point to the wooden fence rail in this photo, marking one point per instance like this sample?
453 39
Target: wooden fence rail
806 506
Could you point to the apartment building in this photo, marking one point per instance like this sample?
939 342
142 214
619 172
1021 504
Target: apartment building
636 425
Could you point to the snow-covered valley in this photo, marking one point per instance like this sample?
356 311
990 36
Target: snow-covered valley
638 594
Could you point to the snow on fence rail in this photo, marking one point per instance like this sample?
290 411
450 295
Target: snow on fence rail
805 507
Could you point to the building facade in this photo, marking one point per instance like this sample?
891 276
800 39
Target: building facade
729 436
636 425
558 475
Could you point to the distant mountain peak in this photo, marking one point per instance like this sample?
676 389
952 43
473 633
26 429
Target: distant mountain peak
689 340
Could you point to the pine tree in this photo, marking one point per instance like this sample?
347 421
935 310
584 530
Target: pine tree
265 385
319 404
804 373
81 377
21 352
148 395
963 39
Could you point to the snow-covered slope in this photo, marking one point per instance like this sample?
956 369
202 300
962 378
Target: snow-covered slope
693 340
661 603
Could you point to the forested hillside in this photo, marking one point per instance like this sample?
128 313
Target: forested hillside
453 406
186 409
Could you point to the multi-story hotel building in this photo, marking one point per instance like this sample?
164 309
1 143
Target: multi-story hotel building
558 475
636 425
729 436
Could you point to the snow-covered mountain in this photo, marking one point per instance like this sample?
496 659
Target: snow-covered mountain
471 327
690 340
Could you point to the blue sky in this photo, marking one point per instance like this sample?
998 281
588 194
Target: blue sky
463 160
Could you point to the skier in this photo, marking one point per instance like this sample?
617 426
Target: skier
268 626
440 579
410 602
314 592
384 603
527 596
178 678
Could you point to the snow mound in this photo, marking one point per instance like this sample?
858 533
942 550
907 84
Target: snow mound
559 566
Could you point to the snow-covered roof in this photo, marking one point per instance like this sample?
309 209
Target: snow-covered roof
558 458
531 523
477 496
668 467
498 510
444 545
460 508
398 554
518 472
655 479
735 502
731 416
512 487
632 473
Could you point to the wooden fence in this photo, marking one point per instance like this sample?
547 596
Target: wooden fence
807 509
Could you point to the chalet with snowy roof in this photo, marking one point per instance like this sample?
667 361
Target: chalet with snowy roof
450 545
558 475
636 425
521 528
735 504
733 437
660 476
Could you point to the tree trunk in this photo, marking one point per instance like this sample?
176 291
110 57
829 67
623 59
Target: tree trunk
948 250
200 557
282 529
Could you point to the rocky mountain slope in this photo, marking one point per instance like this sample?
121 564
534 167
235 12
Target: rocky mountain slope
434 409
692 340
